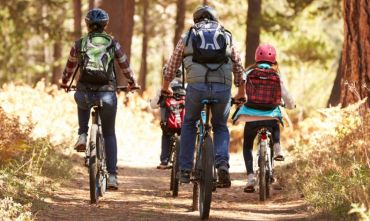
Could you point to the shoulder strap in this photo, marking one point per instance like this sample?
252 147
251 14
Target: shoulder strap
189 34
183 74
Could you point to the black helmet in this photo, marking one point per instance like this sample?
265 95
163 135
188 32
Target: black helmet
97 16
204 12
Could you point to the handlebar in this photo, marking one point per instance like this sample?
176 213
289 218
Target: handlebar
119 88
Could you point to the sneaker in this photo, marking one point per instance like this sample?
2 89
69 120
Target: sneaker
223 177
80 145
278 153
112 183
184 176
251 182
163 166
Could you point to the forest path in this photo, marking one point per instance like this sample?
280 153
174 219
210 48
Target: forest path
144 195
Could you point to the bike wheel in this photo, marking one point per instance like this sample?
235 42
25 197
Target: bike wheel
262 173
172 160
194 206
102 174
93 166
206 181
175 168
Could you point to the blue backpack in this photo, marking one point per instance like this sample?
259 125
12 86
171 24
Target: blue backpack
209 40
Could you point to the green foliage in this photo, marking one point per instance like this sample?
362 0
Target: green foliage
27 28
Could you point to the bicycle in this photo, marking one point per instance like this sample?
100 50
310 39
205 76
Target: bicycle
265 159
174 147
95 152
204 171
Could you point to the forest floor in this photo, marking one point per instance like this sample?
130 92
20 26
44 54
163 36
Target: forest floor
144 194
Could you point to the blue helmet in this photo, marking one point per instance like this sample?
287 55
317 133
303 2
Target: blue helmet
97 16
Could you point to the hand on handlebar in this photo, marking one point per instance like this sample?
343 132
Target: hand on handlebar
238 100
167 92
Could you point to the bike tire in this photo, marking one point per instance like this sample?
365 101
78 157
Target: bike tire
93 166
194 206
172 160
206 182
262 173
175 168
101 175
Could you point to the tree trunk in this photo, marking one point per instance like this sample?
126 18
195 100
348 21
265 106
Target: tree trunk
91 4
253 30
121 25
77 18
205 2
180 20
144 65
355 71
334 99
57 69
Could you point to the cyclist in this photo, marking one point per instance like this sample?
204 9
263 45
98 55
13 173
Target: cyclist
268 114
167 130
94 85
208 65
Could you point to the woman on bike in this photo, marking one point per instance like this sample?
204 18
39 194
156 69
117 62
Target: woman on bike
94 55
263 82
209 66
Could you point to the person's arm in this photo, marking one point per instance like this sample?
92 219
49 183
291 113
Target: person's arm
287 98
238 74
124 64
70 66
173 65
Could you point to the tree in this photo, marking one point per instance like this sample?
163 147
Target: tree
355 63
121 23
144 51
253 30
57 69
77 18
180 20
205 2
334 98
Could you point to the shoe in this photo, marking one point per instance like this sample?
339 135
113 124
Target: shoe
278 153
163 166
251 182
184 176
223 177
112 183
80 145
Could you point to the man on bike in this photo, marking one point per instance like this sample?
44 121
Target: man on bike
94 54
209 57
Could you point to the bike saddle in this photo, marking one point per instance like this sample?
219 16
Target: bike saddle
209 101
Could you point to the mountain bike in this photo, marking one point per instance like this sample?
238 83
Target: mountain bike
265 162
204 172
95 151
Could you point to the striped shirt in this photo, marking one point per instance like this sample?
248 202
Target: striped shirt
119 55
175 62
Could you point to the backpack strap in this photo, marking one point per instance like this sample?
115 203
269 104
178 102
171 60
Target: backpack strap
188 37
183 73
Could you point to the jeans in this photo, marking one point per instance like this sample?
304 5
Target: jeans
250 132
84 101
165 152
195 93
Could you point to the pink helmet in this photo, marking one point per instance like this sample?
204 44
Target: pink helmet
265 52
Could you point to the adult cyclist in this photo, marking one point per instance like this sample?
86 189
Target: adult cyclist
209 61
94 54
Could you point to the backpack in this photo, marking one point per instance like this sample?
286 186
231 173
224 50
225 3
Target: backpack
172 116
209 42
96 59
263 89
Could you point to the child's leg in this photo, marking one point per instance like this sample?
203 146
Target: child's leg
165 152
249 135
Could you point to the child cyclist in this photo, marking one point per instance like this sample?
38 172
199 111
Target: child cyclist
172 114
265 90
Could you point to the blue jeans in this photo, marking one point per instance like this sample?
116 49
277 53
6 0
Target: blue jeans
165 151
195 93
84 102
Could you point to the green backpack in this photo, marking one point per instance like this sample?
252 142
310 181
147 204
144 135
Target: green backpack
96 59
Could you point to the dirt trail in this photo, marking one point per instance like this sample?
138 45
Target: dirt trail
144 195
